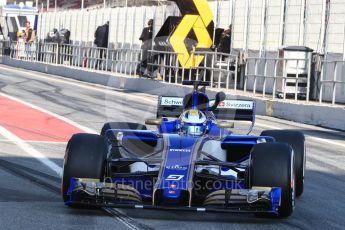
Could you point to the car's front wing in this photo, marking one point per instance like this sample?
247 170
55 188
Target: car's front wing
95 193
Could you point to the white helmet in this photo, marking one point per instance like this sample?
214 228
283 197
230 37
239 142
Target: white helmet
193 122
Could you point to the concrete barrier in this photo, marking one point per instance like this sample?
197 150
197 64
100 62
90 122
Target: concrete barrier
309 113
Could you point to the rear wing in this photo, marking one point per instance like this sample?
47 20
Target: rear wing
240 110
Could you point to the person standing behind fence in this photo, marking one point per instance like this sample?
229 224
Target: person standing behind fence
101 41
20 46
29 38
146 38
224 45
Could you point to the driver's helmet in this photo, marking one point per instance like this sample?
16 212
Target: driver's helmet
193 122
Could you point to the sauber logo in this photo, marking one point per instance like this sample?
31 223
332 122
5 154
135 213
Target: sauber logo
180 150
174 177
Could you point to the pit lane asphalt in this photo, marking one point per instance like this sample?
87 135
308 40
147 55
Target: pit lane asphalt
29 197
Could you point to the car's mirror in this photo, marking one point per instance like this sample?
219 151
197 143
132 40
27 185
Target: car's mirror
153 121
220 96
225 125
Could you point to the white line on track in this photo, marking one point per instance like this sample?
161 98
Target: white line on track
36 142
85 129
31 151
26 147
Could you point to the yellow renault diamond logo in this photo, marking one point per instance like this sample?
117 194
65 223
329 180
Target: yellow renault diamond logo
198 23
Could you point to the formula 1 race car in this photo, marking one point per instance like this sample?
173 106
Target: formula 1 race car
192 162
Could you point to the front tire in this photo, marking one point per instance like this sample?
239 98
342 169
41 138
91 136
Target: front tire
272 165
85 157
296 140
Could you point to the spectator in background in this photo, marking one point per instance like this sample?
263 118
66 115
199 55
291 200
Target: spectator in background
29 39
30 36
21 45
101 36
224 45
53 36
101 41
65 35
146 38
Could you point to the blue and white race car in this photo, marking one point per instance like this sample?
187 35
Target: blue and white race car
192 162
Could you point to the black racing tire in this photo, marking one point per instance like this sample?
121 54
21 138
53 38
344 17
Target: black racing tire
122 125
85 157
272 165
296 140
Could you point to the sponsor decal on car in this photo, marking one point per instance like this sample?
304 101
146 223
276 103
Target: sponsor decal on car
174 177
176 167
171 101
180 150
235 104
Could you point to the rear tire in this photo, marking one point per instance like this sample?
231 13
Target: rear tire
272 165
296 140
85 157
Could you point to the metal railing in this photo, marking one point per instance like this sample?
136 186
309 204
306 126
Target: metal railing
124 60
334 81
94 58
48 53
285 80
78 56
165 64
24 51
70 55
269 77
218 68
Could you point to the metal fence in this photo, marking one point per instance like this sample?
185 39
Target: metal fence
24 51
277 80
273 78
218 68
124 60
337 69
77 56
70 55
165 63
48 53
